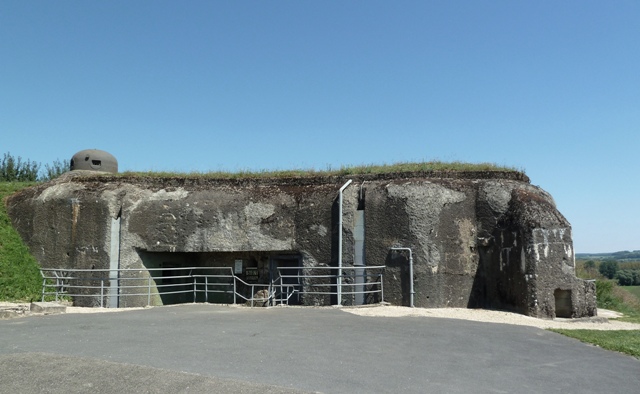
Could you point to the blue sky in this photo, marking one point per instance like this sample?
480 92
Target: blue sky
549 87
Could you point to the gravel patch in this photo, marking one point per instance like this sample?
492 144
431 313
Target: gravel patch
601 322
604 321
79 309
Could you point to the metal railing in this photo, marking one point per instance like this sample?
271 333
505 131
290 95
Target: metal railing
362 280
91 287
182 284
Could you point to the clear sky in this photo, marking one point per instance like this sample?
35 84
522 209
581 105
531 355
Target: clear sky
549 87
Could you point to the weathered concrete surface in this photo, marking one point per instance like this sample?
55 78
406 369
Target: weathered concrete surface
47 307
487 240
10 310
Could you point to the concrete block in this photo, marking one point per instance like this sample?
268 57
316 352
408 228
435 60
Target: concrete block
47 307
9 314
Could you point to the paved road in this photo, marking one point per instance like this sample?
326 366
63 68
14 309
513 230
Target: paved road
208 348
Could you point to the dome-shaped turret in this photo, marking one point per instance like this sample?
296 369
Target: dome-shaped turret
94 160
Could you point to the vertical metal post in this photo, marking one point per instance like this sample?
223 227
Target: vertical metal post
411 292
149 290
114 263
339 279
234 288
206 289
411 278
381 287
44 283
101 292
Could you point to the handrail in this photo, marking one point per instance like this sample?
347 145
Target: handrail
306 288
201 282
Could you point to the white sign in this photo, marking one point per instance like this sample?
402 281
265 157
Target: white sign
238 267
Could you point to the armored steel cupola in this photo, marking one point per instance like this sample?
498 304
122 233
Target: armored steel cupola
94 160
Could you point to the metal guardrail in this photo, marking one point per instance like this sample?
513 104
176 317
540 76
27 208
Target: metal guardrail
149 283
204 284
365 277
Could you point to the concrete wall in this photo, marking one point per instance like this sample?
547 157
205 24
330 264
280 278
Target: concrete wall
487 240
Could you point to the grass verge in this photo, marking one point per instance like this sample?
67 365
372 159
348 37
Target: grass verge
20 278
617 298
623 341
635 290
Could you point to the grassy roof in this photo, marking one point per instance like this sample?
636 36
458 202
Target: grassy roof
369 169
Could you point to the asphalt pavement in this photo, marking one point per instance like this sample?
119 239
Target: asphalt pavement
199 348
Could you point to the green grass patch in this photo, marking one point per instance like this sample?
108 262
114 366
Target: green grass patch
611 296
624 341
342 171
20 278
635 290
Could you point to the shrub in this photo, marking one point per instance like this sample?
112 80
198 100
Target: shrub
605 295
609 268
19 272
16 170
628 277
53 171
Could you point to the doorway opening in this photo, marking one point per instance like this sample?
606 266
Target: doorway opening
284 270
563 303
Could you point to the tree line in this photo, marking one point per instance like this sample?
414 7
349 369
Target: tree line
15 169
629 276
622 256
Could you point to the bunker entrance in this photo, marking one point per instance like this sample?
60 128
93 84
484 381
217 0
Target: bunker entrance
284 271
222 277
563 303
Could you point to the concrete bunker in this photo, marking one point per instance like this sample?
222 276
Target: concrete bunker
468 239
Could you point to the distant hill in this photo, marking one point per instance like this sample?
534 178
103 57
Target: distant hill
618 256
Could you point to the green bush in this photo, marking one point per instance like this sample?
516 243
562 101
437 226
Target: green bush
609 268
605 295
628 277
19 272
53 171
16 170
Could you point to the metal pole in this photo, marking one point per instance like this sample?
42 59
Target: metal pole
101 293
234 288
381 287
339 279
149 290
411 292
44 283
